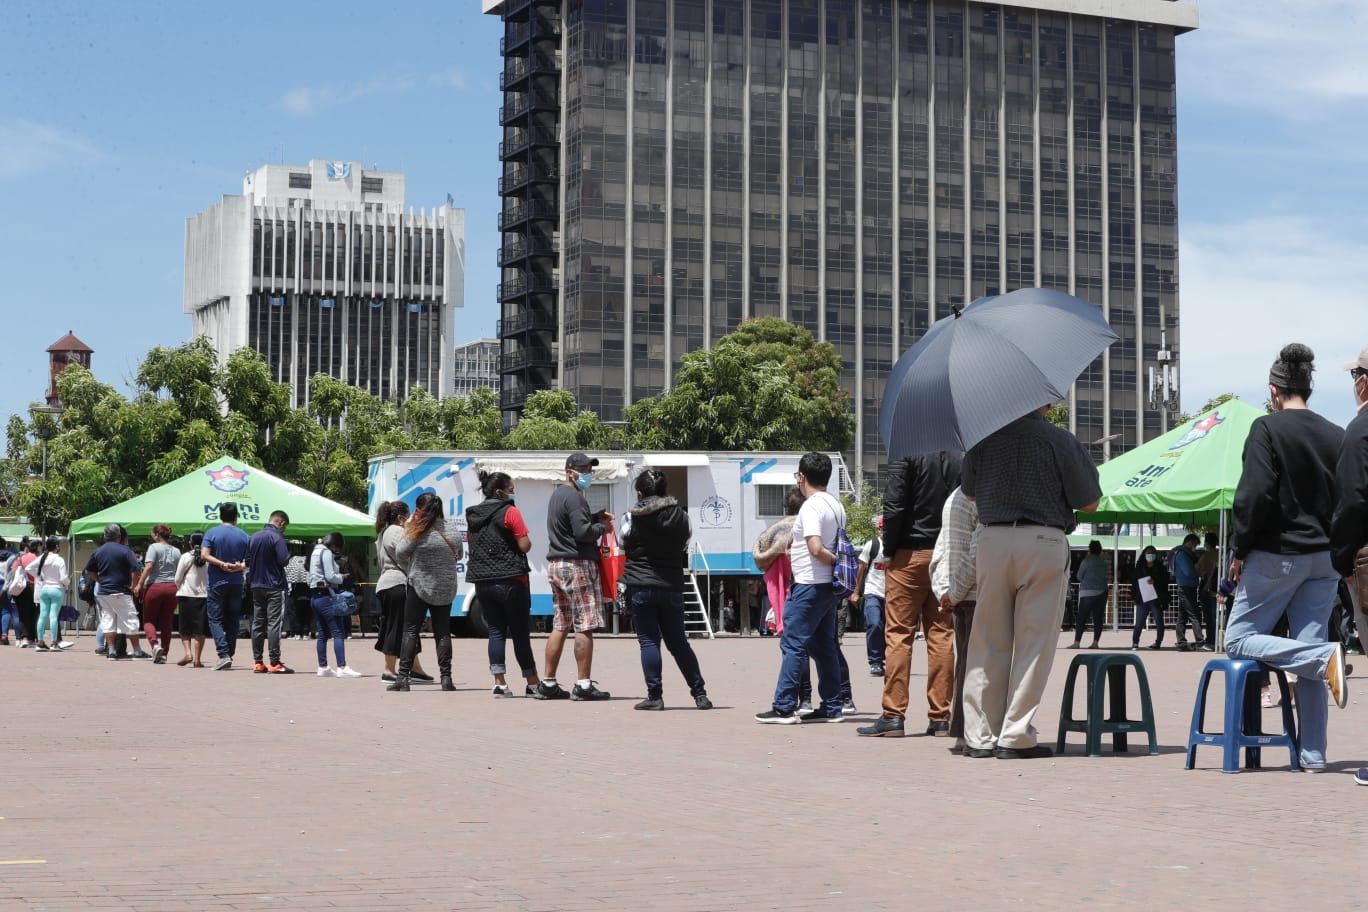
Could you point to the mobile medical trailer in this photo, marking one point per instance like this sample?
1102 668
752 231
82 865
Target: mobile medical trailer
730 497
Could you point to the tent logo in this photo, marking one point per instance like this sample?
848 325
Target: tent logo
227 479
1200 429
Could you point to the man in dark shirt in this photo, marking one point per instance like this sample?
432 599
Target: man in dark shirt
225 551
267 555
572 569
113 567
1026 479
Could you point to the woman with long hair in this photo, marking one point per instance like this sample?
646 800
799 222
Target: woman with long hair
157 587
391 588
498 567
655 543
192 595
330 603
50 580
1283 507
1152 568
428 554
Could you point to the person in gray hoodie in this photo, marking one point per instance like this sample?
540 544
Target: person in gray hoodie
655 543
428 554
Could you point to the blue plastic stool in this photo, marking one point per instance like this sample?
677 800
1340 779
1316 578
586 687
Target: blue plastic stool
1106 672
1243 717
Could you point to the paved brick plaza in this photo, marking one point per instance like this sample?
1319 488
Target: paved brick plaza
163 788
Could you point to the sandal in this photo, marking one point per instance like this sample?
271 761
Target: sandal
186 660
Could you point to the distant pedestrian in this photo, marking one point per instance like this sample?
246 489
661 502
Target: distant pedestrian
771 556
497 565
9 613
157 587
50 573
1209 574
1188 579
191 596
330 604
267 555
225 550
1150 592
1092 596
869 597
1283 509
391 591
27 600
428 554
657 543
113 567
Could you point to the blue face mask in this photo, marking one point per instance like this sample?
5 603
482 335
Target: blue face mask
584 480
1149 558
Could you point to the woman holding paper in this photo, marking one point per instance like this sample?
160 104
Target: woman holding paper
1150 588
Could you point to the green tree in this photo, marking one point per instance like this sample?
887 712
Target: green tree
552 420
1213 402
767 386
861 511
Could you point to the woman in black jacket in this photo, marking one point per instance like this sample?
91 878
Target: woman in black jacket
1151 567
655 543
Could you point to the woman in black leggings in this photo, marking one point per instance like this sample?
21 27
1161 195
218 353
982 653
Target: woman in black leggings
428 554
497 565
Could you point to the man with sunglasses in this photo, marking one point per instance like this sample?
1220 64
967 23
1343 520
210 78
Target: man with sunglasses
1349 526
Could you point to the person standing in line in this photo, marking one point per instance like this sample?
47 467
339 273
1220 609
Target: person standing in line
1283 510
330 603
26 601
428 554
9 612
224 549
113 567
1092 595
157 587
955 583
191 596
810 610
1149 567
913 501
572 568
1189 608
656 542
1209 578
497 565
1026 479
1349 524
50 573
770 554
267 555
873 564
391 591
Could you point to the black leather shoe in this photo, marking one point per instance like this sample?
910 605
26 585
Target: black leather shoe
978 753
1023 753
400 685
447 683
421 677
938 729
883 727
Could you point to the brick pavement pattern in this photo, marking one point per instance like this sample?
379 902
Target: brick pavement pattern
151 788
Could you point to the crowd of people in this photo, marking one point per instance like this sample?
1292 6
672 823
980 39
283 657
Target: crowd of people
972 556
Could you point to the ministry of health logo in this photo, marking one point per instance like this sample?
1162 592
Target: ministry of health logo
715 511
227 479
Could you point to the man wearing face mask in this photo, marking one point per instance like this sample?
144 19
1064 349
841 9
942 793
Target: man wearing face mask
1349 526
572 553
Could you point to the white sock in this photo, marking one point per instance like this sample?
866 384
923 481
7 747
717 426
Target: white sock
584 683
549 682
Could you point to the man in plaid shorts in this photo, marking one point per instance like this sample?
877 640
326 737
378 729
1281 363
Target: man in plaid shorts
572 552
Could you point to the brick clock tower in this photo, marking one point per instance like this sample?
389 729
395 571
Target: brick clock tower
64 352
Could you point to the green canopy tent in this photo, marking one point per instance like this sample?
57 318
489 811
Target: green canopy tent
192 501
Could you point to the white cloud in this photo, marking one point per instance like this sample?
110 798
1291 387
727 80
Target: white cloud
304 101
28 147
1278 56
1251 287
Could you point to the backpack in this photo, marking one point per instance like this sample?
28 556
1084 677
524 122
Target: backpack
845 573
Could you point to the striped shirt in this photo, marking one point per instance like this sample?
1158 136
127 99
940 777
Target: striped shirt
953 571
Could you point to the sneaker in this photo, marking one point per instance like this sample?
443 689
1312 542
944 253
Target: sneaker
101 650
158 656
1270 698
876 671
819 715
591 692
347 672
775 717
112 656
651 703
24 644
501 690
883 727
1361 777
1336 679
223 664
1182 646
141 656
531 691
326 672
849 706
276 668
40 646
701 701
63 644
544 691
805 706
259 668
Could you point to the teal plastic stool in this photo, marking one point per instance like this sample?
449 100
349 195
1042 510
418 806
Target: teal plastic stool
1106 672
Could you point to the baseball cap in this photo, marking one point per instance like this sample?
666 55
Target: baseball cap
579 459
1361 362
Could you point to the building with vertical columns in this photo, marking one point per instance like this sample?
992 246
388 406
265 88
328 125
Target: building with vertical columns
673 167
321 269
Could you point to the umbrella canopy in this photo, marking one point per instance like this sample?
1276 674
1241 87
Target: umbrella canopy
1187 476
191 502
993 362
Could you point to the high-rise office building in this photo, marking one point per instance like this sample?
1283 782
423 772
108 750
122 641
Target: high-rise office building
321 269
859 167
475 365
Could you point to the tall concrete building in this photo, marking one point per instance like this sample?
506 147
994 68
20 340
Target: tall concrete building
475 365
673 167
321 269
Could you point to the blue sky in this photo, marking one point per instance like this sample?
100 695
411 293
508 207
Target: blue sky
117 121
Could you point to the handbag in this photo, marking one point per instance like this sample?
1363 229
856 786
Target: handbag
612 564
18 578
69 614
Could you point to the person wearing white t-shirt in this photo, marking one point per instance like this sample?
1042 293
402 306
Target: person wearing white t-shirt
810 611
869 596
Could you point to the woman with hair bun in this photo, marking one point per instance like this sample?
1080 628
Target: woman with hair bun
192 595
1283 506
428 554
497 565
391 589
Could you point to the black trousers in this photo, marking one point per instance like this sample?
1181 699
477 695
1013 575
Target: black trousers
28 613
415 609
1189 609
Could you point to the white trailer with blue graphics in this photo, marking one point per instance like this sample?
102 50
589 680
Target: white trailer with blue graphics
730 497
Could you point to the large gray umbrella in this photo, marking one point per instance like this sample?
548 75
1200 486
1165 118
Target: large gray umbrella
986 366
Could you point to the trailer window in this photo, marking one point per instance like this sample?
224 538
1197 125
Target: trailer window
600 497
769 500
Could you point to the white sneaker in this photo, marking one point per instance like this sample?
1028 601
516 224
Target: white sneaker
346 672
326 672
502 690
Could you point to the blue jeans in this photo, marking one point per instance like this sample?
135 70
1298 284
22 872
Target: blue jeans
658 614
809 630
1092 608
1302 586
224 608
9 615
329 622
506 605
1142 612
874 630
